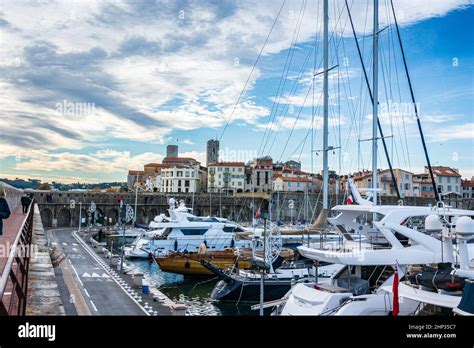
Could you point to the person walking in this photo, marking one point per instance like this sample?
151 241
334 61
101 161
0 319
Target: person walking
25 203
4 209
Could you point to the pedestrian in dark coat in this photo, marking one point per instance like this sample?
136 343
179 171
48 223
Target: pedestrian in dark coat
25 203
4 209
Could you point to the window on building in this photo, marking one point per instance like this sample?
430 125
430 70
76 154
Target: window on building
186 183
449 188
449 179
440 179
240 169
289 184
266 177
407 186
407 177
258 178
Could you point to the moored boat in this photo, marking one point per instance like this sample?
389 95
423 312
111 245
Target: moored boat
189 263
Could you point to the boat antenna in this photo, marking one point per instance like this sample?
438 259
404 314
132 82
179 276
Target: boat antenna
433 183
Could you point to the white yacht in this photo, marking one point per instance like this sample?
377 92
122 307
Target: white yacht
183 231
361 287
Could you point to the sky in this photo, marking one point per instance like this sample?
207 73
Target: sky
91 89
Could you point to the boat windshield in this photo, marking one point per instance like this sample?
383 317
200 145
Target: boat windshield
202 219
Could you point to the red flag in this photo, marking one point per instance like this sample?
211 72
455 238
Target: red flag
349 199
257 213
396 305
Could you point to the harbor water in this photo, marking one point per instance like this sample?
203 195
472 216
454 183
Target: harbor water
193 292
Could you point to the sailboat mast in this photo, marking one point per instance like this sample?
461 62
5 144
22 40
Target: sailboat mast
136 203
325 107
375 84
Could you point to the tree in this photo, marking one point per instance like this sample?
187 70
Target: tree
44 186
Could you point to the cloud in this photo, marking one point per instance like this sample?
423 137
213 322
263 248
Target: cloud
108 161
148 68
452 132
187 141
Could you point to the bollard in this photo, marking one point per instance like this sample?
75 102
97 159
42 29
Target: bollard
178 309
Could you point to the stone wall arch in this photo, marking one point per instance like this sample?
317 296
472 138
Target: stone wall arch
64 218
151 214
112 216
46 217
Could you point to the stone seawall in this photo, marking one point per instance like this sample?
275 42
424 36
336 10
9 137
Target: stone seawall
62 209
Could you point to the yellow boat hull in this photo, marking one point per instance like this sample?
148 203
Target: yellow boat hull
190 265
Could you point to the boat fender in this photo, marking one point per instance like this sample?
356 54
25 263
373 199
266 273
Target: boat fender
175 245
232 243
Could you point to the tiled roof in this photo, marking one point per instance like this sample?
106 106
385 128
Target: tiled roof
178 159
444 171
226 164
467 183
135 172
293 179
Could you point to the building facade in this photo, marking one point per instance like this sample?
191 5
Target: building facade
385 182
291 164
260 175
180 178
227 177
448 180
135 176
467 188
422 186
292 184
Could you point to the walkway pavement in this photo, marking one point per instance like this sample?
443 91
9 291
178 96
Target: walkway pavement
11 226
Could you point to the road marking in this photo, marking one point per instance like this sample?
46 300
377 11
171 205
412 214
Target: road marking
93 305
86 275
74 249
104 275
96 258
95 275
77 275
75 244
85 290
64 243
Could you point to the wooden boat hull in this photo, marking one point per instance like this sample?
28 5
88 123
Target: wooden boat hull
190 264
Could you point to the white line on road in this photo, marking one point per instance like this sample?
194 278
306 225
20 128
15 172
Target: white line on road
64 243
93 305
77 275
85 290
95 257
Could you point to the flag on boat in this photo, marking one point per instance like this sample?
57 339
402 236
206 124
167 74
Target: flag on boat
396 305
258 213
349 199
